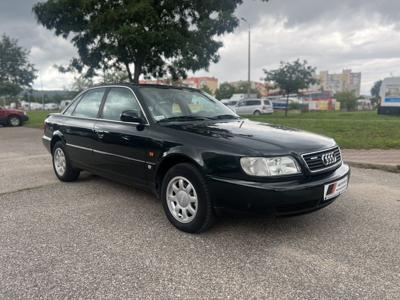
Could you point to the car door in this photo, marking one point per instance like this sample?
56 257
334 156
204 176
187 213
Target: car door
241 107
120 147
255 106
77 126
248 108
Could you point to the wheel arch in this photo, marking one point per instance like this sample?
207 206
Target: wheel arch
57 136
168 162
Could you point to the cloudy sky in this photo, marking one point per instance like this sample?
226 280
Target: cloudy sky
362 35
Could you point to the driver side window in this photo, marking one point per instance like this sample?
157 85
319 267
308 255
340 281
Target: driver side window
119 100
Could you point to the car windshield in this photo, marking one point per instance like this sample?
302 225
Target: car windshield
180 104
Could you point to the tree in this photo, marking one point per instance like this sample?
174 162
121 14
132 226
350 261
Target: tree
114 76
243 88
375 91
156 37
81 83
291 77
16 73
225 91
347 99
206 89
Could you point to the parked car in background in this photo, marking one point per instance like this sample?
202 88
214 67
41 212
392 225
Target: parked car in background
194 153
51 106
12 117
230 103
254 107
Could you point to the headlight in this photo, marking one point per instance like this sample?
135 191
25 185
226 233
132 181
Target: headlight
269 166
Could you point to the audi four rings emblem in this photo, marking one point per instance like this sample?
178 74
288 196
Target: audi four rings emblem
329 158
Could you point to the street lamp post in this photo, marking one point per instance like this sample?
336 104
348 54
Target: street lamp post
248 62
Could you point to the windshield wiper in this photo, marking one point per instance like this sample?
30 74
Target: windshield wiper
220 117
182 119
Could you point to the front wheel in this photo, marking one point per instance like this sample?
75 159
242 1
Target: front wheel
14 121
62 165
186 199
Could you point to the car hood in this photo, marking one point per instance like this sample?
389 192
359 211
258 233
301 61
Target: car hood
15 111
257 136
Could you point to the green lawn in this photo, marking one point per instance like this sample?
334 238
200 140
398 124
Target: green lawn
351 130
36 118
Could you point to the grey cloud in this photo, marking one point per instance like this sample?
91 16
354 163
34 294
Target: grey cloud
360 34
308 12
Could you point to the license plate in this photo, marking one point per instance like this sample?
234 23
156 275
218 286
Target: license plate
336 188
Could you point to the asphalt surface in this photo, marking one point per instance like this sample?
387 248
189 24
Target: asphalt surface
99 239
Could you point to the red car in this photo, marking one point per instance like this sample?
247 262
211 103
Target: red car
12 117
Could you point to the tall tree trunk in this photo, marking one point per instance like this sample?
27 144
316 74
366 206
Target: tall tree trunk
129 72
287 104
137 72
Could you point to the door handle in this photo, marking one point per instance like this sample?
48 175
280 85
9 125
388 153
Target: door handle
100 133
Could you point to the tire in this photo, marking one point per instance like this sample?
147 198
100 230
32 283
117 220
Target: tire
14 121
62 164
257 113
182 217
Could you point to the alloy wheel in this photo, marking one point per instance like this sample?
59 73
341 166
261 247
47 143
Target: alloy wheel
60 161
182 199
14 121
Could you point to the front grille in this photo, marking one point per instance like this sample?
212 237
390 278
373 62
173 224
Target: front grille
322 160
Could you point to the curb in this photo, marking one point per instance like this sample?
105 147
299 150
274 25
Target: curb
384 167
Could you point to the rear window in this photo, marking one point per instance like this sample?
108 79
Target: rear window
267 102
89 104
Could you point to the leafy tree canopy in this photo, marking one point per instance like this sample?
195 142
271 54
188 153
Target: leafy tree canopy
290 77
156 37
375 90
225 91
347 99
242 88
16 72
206 89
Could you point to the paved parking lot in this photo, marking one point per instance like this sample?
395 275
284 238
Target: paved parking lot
99 239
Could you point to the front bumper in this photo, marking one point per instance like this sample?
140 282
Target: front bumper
24 118
280 198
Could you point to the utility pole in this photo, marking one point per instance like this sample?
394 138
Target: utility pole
248 58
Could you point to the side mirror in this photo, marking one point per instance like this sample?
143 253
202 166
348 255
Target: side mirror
131 116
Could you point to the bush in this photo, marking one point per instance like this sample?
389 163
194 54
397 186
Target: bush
348 100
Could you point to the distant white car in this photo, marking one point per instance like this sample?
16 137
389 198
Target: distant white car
254 107
51 106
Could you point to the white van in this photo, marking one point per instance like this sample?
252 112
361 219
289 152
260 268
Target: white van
390 96
254 107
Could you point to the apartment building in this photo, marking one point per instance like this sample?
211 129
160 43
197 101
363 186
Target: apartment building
345 81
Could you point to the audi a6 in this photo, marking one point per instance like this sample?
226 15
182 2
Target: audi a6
195 154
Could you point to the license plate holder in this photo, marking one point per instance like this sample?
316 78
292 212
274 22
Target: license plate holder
334 189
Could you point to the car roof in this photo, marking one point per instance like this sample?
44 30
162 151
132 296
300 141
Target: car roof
161 86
